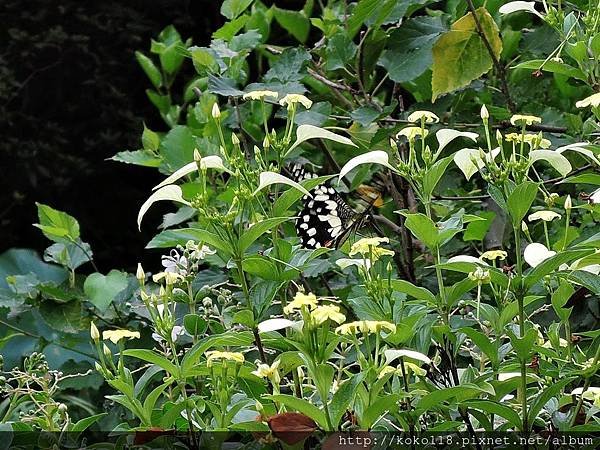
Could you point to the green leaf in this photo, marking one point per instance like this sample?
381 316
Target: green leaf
585 178
233 8
377 408
411 290
153 396
303 406
559 297
56 225
523 345
554 67
360 13
343 397
64 317
484 343
295 22
138 158
261 266
289 67
461 56
154 358
177 147
340 51
150 139
256 230
434 174
172 238
498 409
586 279
195 324
520 200
423 228
86 422
544 397
223 86
150 69
102 289
23 262
409 49
435 398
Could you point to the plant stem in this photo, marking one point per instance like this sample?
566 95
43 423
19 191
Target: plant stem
586 385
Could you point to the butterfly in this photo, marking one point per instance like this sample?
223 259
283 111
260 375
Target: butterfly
325 220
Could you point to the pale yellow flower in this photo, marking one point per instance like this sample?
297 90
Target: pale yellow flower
533 139
480 275
492 255
292 99
269 372
366 327
520 119
546 216
259 95
411 133
370 247
327 312
216 355
408 367
429 117
592 100
116 335
169 277
301 300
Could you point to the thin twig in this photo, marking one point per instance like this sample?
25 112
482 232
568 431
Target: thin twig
499 67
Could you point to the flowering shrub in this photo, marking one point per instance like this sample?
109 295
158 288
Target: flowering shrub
434 274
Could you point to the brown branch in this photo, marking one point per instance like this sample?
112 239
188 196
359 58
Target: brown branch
332 84
500 69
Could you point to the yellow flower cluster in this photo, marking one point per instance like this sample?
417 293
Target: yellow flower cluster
408 366
370 248
116 335
327 312
520 119
216 355
269 372
366 327
301 300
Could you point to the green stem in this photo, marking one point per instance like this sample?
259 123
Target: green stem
586 385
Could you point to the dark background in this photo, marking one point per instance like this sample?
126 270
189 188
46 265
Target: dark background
71 96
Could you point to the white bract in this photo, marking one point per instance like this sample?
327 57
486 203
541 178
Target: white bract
536 253
269 178
171 192
306 132
374 157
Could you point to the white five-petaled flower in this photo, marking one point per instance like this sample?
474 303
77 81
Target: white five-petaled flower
536 253
175 263
592 100
292 99
546 216
429 117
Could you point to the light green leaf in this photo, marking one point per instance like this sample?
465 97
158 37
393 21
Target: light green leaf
410 289
233 8
498 409
460 55
303 406
423 228
295 22
102 289
434 174
150 69
172 238
520 200
56 225
138 157
154 358
256 230
554 67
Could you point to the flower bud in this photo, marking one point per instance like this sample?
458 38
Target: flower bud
140 274
568 203
499 137
234 139
97 366
266 142
524 227
485 115
106 351
216 112
94 333
197 155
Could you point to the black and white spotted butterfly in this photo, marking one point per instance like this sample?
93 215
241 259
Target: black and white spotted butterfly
325 220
